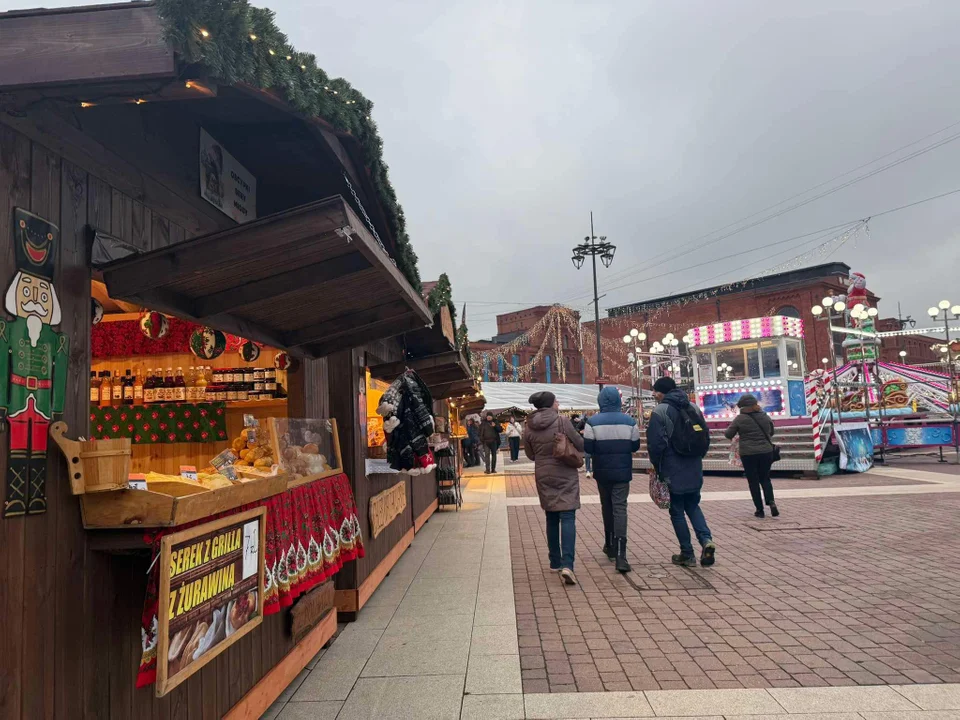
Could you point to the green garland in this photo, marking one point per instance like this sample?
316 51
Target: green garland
238 43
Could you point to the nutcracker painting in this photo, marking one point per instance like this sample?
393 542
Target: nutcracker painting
33 363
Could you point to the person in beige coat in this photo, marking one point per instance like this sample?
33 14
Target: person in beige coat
558 485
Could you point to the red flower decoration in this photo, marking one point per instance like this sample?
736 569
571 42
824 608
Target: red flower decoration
146 427
137 438
203 412
187 413
171 414
138 416
219 411
115 428
171 437
162 426
154 437
99 428
154 415
196 424
93 417
188 436
179 425
204 434
130 427
123 417
108 416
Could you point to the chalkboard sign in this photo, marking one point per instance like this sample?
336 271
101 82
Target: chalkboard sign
211 593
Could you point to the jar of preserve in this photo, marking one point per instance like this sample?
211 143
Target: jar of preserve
248 376
258 374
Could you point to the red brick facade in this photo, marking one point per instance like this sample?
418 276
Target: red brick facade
792 293
511 324
918 347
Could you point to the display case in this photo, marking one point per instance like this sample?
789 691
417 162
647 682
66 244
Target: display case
306 449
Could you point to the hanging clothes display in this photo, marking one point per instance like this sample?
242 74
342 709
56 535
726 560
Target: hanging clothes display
407 411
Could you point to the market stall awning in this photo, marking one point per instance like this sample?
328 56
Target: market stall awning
505 395
435 370
311 279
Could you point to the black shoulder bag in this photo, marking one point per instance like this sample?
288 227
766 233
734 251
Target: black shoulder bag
776 448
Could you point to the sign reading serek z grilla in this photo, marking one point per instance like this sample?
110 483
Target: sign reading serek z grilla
211 581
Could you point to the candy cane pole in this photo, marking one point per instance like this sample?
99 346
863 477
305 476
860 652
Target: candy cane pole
813 405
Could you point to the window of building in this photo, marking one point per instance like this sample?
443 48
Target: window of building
770 352
732 363
788 311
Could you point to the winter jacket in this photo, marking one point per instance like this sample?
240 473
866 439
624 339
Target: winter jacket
473 434
611 437
558 485
683 474
752 439
490 432
514 429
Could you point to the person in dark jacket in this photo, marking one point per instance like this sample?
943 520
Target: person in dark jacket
558 484
490 439
756 430
471 444
611 437
683 474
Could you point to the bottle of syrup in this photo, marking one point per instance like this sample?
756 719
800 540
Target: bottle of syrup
106 390
126 388
150 388
94 388
179 387
116 387
138 388
168 386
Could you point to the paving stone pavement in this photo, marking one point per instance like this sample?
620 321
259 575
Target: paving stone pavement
449 633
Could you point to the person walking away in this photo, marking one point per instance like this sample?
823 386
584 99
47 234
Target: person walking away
677 441
514 434
471 443
558 484
611 437
490 439
756 430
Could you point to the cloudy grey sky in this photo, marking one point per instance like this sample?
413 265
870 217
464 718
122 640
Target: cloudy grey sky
506 123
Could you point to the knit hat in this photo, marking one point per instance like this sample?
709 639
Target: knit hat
747 400
664 385
543 399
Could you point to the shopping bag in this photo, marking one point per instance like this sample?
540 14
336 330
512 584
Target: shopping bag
734 458
659 491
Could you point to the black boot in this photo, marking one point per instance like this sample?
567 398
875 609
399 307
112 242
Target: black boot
610 547
622 565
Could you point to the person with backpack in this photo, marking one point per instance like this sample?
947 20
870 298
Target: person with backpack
558 479
677 441
611 437
756 430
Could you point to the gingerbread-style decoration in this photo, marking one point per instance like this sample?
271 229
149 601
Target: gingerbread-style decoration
33 362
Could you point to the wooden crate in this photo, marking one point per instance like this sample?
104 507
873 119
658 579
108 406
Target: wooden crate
94 465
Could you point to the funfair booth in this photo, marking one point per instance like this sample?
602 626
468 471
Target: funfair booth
764 357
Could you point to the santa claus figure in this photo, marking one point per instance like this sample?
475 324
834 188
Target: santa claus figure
857 291
33 363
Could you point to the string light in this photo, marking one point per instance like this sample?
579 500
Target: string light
139 101
87 104
253 37
204 33
303 67
289 57
270 50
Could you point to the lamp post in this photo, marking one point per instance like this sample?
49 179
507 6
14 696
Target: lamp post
944 309
635 358
593 246
825 312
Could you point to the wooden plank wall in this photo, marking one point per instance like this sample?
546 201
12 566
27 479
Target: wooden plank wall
70 616
423 491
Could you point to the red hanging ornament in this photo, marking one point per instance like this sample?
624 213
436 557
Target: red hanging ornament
154 325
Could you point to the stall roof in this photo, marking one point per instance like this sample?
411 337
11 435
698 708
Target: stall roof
504 395
311 279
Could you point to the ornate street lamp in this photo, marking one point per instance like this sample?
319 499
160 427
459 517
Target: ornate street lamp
593 246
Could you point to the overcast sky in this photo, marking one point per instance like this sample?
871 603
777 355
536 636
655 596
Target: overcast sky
506 123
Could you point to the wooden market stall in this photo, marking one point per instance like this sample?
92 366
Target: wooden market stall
231 218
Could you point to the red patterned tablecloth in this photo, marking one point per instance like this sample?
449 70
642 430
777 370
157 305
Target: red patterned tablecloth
312 530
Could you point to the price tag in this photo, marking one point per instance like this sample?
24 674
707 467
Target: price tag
136 481
251 548
188 472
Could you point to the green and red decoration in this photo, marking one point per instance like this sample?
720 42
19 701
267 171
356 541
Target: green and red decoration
158 424
96 311
207 343
249 351
154 325
33 363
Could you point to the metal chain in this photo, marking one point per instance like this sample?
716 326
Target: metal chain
366 218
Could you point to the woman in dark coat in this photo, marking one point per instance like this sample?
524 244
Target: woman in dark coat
558 485
755 429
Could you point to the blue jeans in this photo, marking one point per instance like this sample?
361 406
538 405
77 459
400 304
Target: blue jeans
588 462
561 538
689 504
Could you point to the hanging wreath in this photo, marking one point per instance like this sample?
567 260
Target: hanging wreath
154 325
207 343
249 351
96 311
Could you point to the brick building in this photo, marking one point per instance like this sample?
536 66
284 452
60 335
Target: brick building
919 348
791 293
509 327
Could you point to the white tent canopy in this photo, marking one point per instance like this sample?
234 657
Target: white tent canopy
503 395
